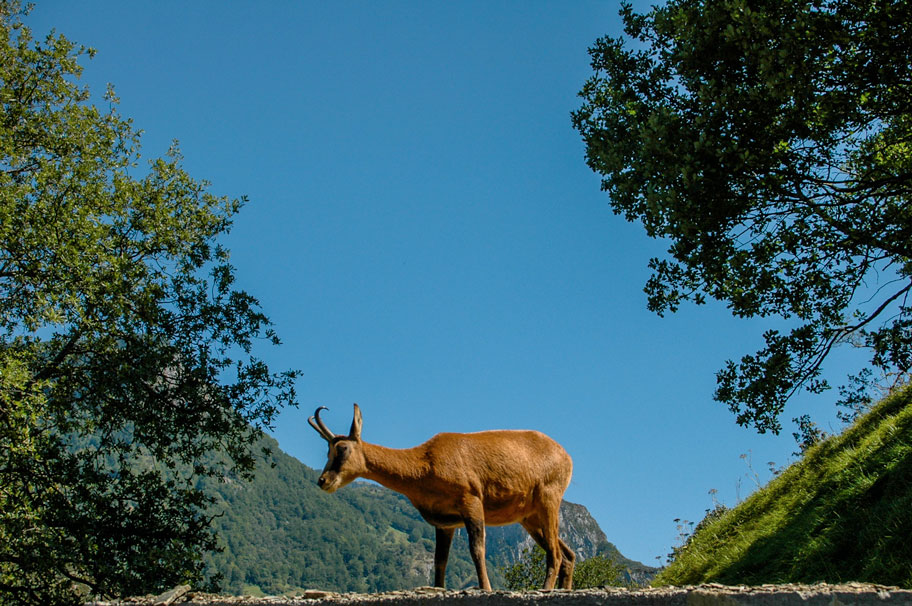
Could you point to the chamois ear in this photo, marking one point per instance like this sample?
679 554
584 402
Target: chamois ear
355 431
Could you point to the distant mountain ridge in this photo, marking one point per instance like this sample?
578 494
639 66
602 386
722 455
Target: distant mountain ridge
281 532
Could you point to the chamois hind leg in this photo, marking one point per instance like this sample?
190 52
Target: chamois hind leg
565 578
543 530
442 554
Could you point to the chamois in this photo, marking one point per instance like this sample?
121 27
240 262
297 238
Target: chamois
488 478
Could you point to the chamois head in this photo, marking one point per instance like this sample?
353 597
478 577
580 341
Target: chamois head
345 460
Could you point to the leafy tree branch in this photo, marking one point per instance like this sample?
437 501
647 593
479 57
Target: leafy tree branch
126 351
771 145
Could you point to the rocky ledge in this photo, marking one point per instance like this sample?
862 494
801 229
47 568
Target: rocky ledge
859 594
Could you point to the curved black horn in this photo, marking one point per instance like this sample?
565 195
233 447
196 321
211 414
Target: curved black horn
320 426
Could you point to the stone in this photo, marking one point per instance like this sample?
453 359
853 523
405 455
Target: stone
170 596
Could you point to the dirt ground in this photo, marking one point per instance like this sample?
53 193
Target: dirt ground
704 595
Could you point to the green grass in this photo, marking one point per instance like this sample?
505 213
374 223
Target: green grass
842 513
252 590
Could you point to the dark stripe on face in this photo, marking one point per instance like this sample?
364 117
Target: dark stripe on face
337 457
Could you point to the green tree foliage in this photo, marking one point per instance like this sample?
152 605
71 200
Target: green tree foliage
528 572
598 571
126 352
770 143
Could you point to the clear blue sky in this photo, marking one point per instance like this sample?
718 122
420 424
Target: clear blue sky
427 238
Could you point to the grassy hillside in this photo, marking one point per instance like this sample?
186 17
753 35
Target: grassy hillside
842 513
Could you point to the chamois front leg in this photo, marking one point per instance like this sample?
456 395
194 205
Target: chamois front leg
441 554
475 528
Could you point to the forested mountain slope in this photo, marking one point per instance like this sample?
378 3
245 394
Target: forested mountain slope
281 532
